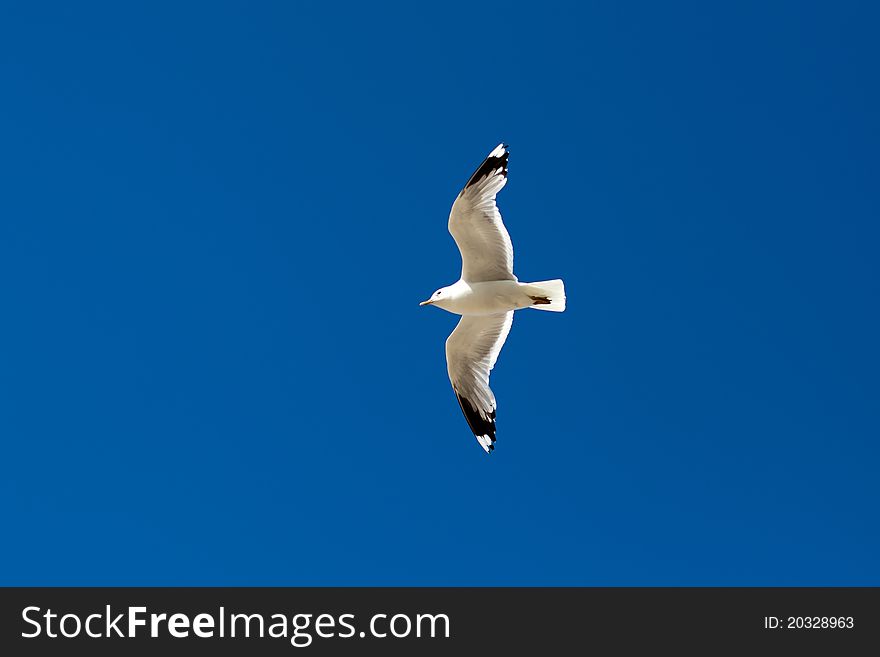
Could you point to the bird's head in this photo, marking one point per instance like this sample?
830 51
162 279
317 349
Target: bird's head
440 295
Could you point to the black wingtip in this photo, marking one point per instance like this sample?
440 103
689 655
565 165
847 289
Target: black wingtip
481 426
494 164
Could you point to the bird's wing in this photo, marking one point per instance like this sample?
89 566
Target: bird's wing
471 351
476 226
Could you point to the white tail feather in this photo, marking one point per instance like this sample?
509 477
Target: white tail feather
547 295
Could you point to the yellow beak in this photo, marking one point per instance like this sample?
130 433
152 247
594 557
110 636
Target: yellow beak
426 303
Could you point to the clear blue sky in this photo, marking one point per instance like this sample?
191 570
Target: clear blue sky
217 221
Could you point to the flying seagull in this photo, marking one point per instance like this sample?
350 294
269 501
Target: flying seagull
486 294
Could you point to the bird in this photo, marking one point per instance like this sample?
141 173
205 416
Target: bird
486 295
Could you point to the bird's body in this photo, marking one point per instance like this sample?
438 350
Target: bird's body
485 298
486 294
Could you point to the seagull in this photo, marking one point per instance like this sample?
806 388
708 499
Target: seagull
486 294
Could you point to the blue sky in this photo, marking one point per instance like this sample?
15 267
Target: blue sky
217 221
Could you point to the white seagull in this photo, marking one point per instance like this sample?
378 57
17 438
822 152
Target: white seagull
486 294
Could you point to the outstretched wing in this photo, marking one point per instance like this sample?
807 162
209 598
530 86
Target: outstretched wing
471 352
476 226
